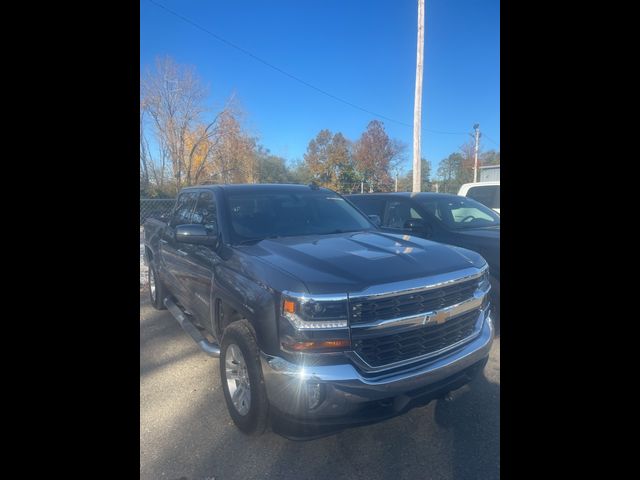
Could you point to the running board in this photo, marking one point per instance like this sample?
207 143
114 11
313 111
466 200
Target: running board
207 347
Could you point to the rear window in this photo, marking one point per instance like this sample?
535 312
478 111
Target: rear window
184 208
488 195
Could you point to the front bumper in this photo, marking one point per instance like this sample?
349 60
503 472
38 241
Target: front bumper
348 397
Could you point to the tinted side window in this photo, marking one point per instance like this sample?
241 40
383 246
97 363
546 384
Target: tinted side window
398 212
184 208
206 213
486 195
369 205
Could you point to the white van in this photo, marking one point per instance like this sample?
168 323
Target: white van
487 193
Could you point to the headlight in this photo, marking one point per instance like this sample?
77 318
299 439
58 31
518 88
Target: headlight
484 281
314 314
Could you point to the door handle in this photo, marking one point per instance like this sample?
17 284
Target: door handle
162 240
183 253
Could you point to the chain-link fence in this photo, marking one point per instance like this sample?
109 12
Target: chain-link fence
155 207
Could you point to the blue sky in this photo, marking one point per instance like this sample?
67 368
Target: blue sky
361 51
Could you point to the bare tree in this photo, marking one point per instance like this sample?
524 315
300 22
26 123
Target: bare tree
145 159
197 150
465 173
234 153
174 98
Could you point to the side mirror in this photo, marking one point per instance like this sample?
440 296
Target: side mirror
196 235
376 220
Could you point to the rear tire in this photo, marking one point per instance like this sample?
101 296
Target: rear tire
156 289
242 380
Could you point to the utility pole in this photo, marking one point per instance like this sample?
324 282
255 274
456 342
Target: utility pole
362 186
396 180
417 105
476 127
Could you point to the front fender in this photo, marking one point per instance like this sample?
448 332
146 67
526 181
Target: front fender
253 301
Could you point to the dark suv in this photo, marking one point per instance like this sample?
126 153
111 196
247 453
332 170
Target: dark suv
442 218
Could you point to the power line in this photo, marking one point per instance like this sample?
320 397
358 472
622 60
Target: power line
492 141
445 133
293 77
270 65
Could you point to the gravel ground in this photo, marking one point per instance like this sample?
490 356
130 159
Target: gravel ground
187 434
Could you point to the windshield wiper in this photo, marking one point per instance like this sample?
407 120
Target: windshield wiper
248 241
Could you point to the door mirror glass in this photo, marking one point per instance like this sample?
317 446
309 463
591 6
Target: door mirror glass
196 235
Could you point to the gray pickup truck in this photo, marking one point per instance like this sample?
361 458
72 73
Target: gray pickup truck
321 320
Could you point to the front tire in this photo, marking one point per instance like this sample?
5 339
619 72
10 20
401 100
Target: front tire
156 289
242 380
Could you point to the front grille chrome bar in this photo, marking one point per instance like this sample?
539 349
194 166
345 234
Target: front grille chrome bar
418 285
433 317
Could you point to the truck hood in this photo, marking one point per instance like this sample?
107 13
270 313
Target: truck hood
351 262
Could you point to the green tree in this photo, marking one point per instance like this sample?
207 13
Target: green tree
490 157
405 182
273 169
340 159
449 173
300 173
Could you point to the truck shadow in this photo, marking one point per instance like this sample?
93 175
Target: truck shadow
446 440
473 419
457 439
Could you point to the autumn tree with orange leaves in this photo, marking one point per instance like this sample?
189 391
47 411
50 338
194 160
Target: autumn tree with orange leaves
193 145
375 155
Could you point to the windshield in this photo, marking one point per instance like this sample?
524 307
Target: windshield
256 216
460 212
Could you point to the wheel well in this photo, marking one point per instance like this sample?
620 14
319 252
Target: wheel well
225 315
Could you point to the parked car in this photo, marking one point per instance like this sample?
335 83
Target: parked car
321 320
487 193
442 218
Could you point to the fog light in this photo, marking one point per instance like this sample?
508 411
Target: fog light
314 395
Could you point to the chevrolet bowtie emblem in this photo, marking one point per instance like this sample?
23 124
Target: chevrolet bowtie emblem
436 318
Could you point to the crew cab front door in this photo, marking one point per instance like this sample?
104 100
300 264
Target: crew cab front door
201 260
174 265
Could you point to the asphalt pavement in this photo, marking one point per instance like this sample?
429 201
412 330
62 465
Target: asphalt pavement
187 434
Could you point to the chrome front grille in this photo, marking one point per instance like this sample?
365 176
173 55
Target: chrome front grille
398 327
372 310
390 349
